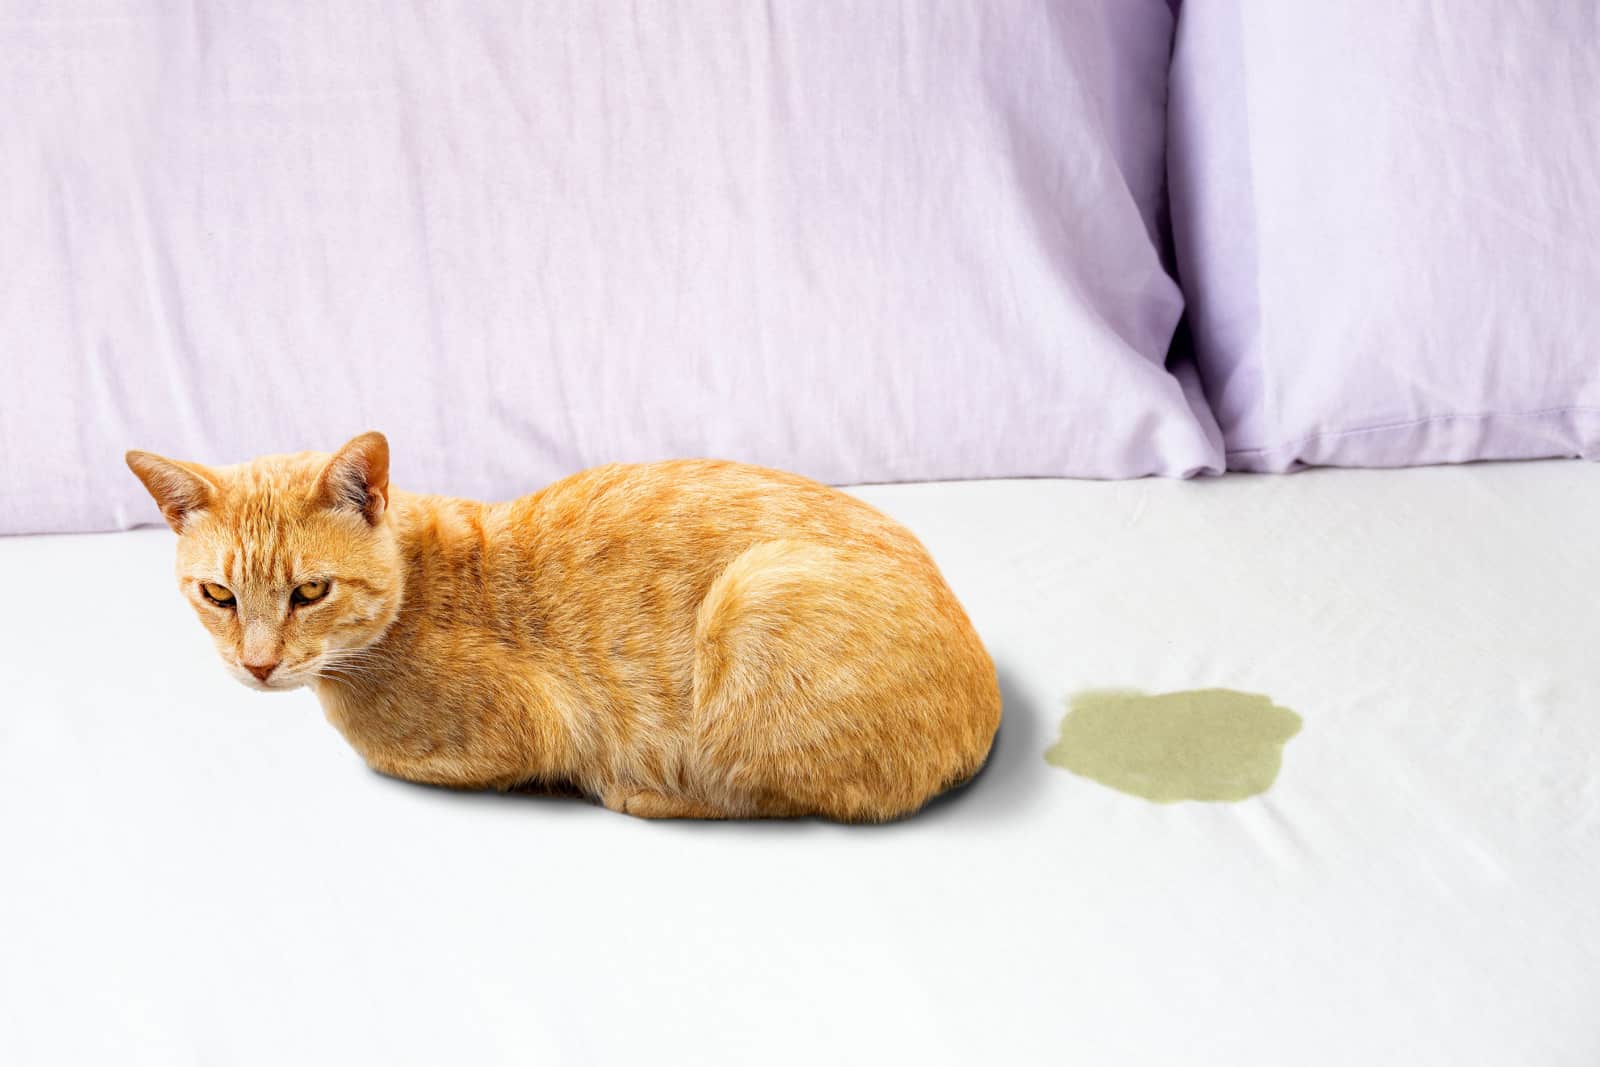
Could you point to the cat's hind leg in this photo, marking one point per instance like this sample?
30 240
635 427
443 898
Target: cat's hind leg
845 683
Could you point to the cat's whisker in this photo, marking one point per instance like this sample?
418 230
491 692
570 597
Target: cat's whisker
353 662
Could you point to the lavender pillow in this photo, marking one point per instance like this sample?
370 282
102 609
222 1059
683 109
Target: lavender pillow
863 241
1387 219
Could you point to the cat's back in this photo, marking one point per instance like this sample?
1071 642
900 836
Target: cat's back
732 639
692 514
610 567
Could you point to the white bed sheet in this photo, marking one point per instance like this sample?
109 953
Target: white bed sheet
195 873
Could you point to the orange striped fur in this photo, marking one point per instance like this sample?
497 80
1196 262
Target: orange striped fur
691 638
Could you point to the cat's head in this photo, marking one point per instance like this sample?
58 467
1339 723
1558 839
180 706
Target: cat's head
291 562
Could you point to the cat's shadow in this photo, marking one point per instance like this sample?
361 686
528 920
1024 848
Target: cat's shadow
1010 776
998 791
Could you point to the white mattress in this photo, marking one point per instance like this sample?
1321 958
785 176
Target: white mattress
196 873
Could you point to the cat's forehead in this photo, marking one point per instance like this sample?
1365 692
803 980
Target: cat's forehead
260 547
270 495
273 479
267 523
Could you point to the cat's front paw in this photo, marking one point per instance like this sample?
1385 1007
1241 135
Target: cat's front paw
650 804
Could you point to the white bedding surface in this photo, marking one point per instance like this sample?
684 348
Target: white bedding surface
196 873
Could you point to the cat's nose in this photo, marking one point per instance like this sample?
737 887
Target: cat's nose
261 670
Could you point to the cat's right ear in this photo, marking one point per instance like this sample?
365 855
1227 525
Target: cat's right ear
180 489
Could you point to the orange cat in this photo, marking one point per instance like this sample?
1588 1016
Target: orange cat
684 639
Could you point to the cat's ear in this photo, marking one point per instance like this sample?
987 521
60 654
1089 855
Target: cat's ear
179 488
357 477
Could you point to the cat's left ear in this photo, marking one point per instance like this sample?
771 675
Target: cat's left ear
357 477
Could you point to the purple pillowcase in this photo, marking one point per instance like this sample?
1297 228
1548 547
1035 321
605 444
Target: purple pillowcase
866 242
1387 219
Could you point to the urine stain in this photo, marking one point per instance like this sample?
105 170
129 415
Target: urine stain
1200 744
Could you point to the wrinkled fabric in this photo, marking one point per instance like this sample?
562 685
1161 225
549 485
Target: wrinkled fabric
197 873
864 242
1387 221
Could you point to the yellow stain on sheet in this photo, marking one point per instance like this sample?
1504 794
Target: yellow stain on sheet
1201 744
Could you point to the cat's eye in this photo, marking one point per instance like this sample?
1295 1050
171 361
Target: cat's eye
309 592
218 595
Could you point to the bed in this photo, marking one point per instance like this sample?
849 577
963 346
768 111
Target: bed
196 873
977 248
